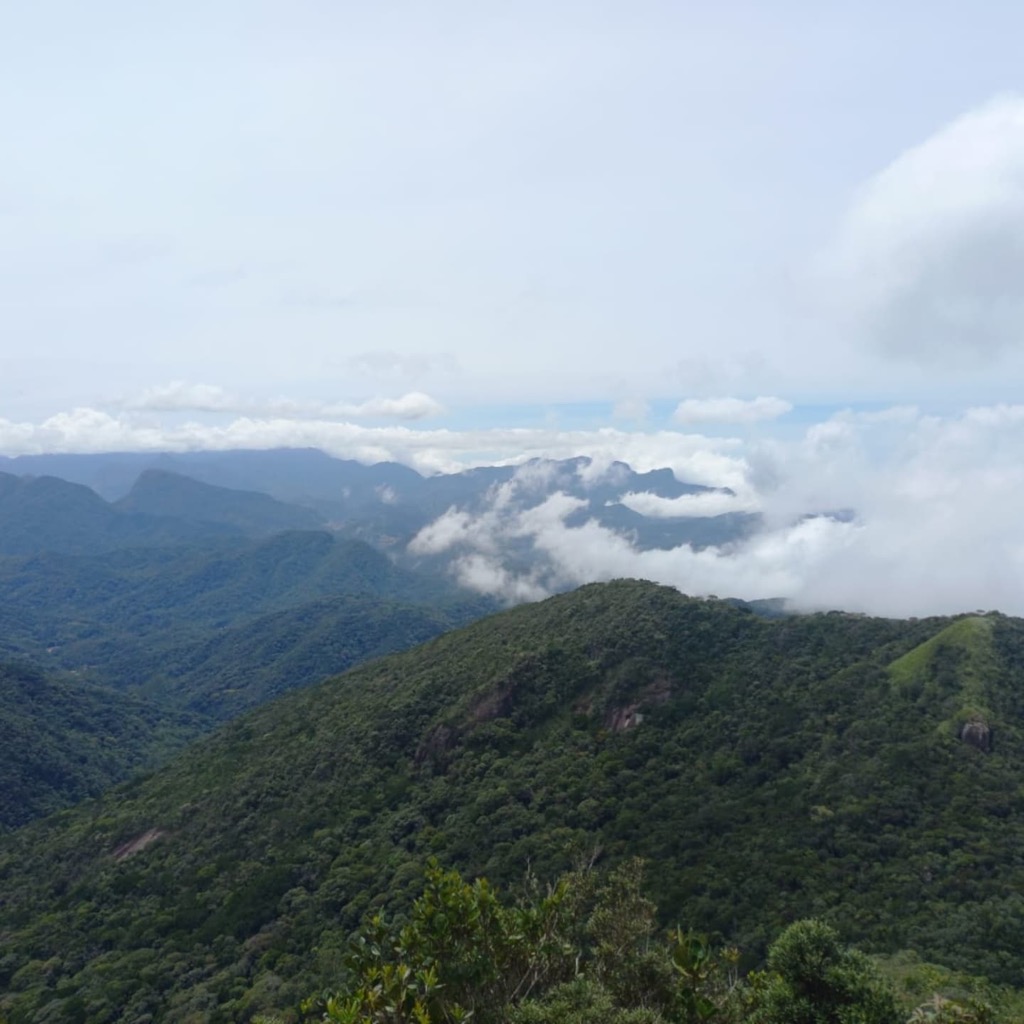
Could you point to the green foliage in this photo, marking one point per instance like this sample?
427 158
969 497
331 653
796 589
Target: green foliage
931 992
582 945
188 632
812 978
767 771
940 1010
462 953
707 978
65 740
580 1001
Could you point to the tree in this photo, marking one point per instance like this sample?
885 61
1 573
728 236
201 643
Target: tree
813 979
462 953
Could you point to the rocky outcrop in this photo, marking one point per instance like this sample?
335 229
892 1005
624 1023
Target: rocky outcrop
977 733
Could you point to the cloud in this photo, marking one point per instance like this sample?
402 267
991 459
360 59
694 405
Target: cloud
730 410
413 406
937 522
179 396
488 576
631 409
715 462
929 261
563 556
706 503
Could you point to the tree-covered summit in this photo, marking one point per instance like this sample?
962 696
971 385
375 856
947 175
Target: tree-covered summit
767 770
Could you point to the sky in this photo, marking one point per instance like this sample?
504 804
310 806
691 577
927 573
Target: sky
776 247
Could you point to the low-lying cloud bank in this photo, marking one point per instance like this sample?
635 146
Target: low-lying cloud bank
897 513
933 505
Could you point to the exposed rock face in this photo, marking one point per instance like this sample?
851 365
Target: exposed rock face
138 843
977 733
628 717
625 718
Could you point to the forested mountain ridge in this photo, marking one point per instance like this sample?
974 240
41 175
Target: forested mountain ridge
860 769
190 636
159 492
39 514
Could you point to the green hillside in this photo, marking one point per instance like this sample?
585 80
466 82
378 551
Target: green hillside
954 666
65 740
769 770
196 636
132 618
237 668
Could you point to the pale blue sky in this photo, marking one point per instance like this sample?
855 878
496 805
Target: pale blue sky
537 203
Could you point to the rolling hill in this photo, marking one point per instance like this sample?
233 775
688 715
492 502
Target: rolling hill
115 618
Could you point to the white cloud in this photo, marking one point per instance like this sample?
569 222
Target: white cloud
929 262
565 556
488 576
693 457
179 396
705 503
937 527
730 410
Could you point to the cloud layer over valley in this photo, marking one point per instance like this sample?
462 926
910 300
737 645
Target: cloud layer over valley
894 511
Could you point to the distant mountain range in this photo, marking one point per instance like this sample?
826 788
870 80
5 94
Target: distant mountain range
208 582
384 504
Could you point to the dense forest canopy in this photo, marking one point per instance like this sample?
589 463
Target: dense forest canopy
859 770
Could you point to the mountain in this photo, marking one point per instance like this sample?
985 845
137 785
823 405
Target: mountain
387 504
203 600
47 514
302 476
839 766
65 740
159 493
196 636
